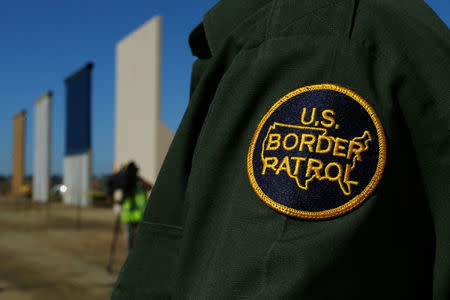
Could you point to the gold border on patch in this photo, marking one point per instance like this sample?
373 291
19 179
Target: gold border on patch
355 201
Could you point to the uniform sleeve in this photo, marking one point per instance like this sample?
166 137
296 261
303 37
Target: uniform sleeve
421 89
258 251
425 103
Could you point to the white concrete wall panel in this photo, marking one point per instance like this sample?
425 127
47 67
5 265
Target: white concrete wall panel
165 137
138 81
42 148
77 172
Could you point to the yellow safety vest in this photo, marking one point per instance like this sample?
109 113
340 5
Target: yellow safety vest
133 209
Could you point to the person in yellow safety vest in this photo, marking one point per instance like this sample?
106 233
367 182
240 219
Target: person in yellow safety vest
133 207
134 197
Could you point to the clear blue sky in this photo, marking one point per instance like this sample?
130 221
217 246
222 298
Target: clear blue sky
42 42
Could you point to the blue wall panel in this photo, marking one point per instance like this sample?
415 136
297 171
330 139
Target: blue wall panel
78 111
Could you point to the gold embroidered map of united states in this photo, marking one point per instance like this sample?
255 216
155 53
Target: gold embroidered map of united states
307 153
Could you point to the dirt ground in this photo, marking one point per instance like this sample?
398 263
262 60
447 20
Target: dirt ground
45 253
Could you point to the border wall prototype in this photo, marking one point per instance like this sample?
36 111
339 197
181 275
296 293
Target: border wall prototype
140 135
78 156
42 147
18 153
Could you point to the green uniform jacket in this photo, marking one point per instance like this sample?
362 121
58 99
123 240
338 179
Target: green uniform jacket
206 234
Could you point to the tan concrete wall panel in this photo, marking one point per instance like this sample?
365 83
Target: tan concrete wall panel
18 153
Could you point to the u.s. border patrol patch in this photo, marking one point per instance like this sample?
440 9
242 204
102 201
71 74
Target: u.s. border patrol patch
317 153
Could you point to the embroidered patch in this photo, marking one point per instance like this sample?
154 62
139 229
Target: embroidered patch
317 153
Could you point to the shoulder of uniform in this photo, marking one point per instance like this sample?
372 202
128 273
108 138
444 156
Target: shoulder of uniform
409 27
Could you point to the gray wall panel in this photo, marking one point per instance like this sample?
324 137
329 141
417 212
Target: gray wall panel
77 176
42 148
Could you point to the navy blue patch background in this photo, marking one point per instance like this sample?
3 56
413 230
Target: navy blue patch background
353 120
